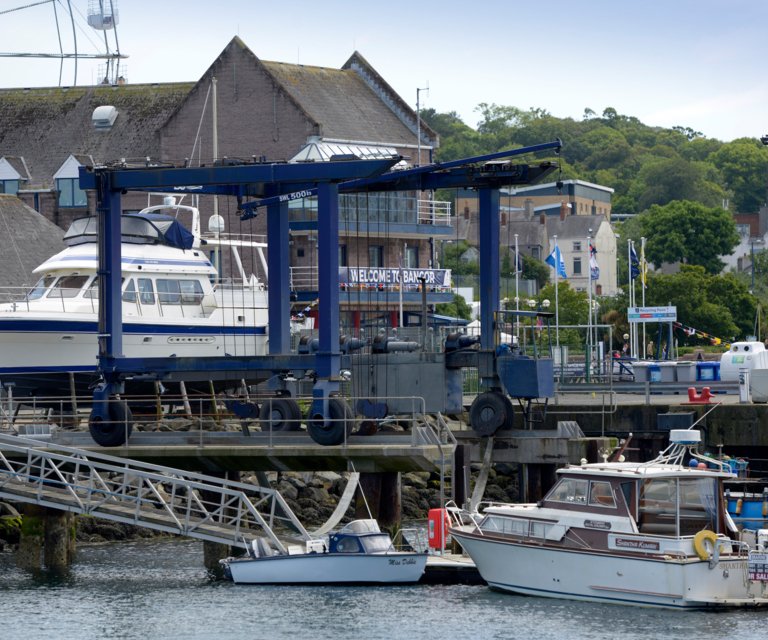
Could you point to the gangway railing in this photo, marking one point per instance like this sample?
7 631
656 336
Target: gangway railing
152 496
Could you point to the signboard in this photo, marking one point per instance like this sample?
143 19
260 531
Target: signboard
367 276
652 314
757 566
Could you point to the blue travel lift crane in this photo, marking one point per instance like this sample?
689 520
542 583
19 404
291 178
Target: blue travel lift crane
273 185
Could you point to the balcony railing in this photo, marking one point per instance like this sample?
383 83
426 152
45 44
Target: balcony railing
378 208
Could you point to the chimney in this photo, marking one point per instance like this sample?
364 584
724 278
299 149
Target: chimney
528 206
543 218
563 210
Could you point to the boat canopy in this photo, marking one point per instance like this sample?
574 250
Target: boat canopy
136 228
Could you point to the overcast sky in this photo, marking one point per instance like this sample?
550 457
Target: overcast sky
692 63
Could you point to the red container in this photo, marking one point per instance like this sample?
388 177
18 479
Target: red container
437 528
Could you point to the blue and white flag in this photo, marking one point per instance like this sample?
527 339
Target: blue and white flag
555 260
594 270
634 262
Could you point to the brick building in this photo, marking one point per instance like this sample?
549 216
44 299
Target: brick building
266 112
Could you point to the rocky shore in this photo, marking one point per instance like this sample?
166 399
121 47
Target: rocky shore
312 497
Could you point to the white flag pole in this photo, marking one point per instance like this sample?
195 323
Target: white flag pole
588 361
557 303
631 299
517 293
643 277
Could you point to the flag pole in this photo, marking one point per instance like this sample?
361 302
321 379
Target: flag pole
643 277
588 361
517 293
557 304
631 300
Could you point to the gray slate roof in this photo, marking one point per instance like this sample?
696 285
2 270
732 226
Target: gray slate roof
342 104
28 240
46 125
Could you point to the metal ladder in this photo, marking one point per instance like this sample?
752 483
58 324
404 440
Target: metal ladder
152 496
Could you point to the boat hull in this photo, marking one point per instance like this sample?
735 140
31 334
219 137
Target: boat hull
667 582
330 568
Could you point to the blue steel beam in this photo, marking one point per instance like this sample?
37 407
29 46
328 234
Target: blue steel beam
453 174
278 291
254 175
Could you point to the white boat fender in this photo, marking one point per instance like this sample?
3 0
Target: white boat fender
704 543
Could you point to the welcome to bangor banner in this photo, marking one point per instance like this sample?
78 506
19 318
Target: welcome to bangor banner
386 276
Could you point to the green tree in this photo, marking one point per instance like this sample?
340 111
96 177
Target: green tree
744 165
718 305
689 232
456 309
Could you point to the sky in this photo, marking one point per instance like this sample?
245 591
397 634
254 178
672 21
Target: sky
689 63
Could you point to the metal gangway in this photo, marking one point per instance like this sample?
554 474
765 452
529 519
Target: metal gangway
152 496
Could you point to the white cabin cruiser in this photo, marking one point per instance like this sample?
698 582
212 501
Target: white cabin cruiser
360 553
649 534
174 302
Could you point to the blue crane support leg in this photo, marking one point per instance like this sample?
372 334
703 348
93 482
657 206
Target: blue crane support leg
279 277
328 356
489 281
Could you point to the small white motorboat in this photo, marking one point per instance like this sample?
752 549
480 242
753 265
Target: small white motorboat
360 553
651 534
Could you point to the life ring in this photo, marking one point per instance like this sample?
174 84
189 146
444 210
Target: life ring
699 543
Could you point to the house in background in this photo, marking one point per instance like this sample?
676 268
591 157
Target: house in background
267 112
572 210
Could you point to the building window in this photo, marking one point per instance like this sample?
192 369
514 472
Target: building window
300 252
577 266
343 255
9 186
411 257
577 246
536 253
376 255
70 193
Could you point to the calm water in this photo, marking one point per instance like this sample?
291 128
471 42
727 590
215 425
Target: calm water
157 590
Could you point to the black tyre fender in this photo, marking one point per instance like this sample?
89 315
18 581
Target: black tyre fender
340 423
280 414
114 431
488 413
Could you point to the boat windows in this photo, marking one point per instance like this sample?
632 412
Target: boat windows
67 286
348 545
377 544
510 526
569 490
129 293
678 507
38 291
601 495
146 292
179 291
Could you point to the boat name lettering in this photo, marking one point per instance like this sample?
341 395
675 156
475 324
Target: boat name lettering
645 545
401 561
597 524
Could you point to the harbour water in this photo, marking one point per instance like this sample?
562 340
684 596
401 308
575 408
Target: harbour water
158 590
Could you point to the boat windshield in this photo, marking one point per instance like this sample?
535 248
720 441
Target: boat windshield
68 286
377 544
678 506
38 291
